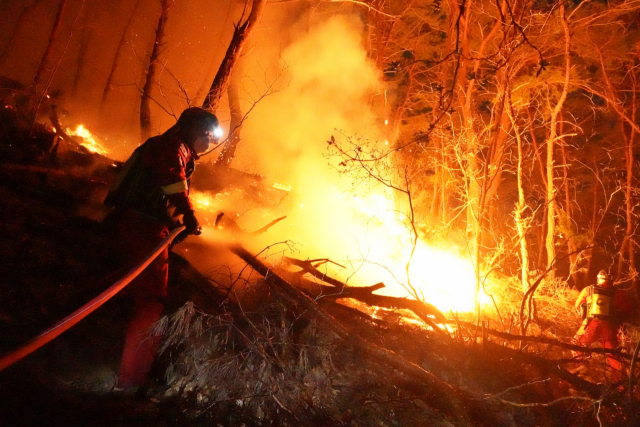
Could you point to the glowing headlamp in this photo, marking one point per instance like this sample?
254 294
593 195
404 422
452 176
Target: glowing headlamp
218 132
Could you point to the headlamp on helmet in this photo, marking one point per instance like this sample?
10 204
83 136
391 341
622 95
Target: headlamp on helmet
603 277
199 127
217 132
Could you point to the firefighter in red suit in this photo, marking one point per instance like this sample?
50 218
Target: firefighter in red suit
150 197
601 306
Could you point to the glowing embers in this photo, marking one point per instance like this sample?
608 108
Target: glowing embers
281 186
203 200
88 140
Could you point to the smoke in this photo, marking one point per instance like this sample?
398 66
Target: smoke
331 85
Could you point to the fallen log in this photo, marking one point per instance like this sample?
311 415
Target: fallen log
454 401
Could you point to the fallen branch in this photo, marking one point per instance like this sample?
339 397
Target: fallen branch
561 399
425 311
267 227
328 294
546 340
454 401
60 131
548 367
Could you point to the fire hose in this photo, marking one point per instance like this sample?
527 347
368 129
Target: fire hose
69 321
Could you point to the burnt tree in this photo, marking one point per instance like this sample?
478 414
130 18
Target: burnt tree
240 35
46 58
152 71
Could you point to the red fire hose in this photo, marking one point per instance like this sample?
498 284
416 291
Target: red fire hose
84 311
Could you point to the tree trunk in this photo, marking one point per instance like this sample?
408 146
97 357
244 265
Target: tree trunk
589 254
573 257
87 32
17 29
536 150
435 202
478 183
551 191
46 58
521 206
541 236
154 64
628 243
235 127
116 58
240 36
443 185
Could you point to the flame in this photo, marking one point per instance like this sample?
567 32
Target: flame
442 277
89 140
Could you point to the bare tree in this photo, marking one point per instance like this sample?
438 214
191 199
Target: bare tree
152 70
46 58
85 39
17 29
551 140
240 36
235 126
628 242
117 57
521 223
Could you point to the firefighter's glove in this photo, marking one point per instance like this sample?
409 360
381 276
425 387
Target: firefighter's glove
192 226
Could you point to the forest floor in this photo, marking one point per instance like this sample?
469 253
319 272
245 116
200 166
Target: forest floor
270 363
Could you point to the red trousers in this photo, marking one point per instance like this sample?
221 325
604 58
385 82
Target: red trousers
137 236
593 329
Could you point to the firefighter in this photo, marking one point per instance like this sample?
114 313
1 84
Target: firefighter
598 305
151 197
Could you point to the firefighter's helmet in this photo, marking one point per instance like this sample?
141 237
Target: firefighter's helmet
604 277
198 117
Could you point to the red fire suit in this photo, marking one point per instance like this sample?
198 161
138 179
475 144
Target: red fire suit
152 190
604 329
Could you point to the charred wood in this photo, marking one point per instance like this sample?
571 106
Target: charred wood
46 57
267 227
240 36
152 71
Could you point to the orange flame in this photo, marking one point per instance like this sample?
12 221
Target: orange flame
89 141
440 276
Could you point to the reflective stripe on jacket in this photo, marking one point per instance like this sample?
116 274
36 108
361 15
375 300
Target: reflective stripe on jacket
155 178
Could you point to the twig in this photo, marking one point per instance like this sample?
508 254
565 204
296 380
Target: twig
594 402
